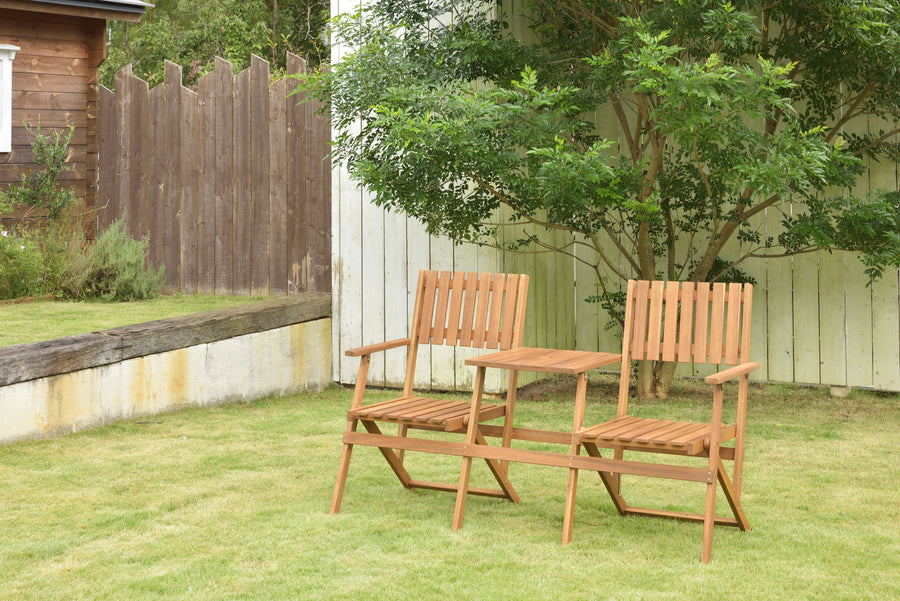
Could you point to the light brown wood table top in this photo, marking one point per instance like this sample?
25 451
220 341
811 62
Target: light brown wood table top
558 361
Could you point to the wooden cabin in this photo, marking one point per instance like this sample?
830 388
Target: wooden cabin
50 54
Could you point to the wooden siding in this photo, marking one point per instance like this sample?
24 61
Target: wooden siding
815 318
54 84
231 182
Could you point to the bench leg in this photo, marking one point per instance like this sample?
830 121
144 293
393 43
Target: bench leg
569 516
471 439
708 521
343 468
572 484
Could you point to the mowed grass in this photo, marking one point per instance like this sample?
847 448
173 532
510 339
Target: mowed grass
232 503
40 320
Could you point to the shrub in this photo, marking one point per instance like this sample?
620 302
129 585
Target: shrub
40 187
21 266
115 268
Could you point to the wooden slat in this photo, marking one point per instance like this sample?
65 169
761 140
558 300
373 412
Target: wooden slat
259 178
666 438
439 330
318 195
107 210
457 290
241 208
688 434
639 333
190 138
279 268
487 412
747 320
446 447
717 323
449 412
173 120
521 304
733 323
206 210
471 295
654 325
428 292
670 332
686 321
493 333
298 258
627 433
402 412
156 153
595 431
139 195
644 428
481 311
376 407
701 320
679 515
659 433
428 410
509 311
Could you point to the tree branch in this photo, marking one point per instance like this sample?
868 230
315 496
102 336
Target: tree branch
869 147
852 111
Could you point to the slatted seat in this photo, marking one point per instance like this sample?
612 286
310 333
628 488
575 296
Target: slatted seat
479 310
656 434
449 416
683 322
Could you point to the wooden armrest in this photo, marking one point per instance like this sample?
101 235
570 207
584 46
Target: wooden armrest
374 348
731 373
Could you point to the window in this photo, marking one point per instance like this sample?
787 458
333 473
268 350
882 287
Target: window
7 54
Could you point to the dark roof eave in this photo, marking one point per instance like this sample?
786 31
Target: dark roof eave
120 6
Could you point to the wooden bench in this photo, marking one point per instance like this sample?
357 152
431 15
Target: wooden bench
682 322
453 309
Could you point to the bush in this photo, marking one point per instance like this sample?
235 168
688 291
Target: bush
115 268
53 256
21 267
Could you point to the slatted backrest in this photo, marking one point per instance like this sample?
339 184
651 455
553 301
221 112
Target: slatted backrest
480 310
688 321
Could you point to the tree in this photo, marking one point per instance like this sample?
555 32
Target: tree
725 110
192 33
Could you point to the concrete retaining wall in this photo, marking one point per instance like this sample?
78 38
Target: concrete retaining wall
236 354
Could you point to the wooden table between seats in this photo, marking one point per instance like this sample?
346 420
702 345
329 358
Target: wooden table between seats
543 360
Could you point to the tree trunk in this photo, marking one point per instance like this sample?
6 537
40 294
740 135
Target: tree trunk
654 379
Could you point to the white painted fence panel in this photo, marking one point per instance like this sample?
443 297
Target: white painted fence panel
816 320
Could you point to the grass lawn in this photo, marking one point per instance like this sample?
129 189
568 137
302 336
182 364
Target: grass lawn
232 503
40 320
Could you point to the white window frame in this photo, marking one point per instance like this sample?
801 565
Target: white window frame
7 54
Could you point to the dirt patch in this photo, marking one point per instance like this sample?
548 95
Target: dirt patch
600 387
604 387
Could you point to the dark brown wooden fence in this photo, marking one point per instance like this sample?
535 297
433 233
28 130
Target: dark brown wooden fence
231 182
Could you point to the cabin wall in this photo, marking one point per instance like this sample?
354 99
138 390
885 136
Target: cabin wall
54 84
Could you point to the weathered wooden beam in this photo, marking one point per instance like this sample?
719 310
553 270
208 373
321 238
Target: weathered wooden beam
24 362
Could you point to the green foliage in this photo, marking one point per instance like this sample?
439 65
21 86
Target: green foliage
21 267
115 268
52 255
193 33
724 110
33 258
40 187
